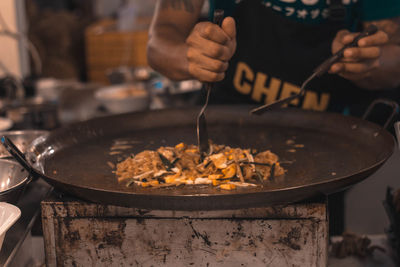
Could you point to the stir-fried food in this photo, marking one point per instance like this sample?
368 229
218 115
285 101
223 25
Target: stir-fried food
224 167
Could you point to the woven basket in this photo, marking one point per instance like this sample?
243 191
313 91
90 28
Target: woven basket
107 48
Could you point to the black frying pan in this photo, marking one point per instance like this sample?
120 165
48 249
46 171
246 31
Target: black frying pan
338 152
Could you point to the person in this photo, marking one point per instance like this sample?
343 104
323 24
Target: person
265 49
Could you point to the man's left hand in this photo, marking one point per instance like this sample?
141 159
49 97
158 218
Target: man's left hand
358 62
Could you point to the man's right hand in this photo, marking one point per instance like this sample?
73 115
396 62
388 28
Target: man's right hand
210 47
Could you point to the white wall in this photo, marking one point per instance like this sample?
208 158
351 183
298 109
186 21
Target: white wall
12 53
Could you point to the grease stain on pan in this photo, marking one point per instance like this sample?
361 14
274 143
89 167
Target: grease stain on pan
120 145
291 143
298 145
111 165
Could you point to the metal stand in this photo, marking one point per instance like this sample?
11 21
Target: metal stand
84 234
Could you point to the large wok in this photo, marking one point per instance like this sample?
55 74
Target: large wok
338 152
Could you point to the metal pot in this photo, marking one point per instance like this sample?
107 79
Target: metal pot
335 152
13 179
22 139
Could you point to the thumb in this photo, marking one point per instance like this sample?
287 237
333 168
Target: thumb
345 37
229 27
340 34
338 41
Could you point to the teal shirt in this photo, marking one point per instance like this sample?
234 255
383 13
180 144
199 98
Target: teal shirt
316 11
380 9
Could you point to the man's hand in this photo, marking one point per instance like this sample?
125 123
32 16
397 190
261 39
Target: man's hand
210 47
358 62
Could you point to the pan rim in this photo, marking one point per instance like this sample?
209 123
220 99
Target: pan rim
240 192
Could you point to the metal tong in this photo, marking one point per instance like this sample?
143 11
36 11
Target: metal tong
20 157
202 133
321 69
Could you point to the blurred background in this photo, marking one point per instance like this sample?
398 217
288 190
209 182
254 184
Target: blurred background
64 61
72 60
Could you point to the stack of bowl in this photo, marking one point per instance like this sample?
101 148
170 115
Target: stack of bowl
13 177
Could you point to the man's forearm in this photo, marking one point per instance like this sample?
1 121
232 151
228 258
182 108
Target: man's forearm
168 57
172 23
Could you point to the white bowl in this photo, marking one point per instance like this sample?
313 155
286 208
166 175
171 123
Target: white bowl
9 214
123 98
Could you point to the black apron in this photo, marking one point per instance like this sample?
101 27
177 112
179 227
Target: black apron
275 55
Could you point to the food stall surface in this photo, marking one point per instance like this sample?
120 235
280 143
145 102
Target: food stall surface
82 233
71 213
79 233
88 234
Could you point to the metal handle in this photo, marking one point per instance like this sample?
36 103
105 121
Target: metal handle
218 16
397 130
217 19
20 157
387 102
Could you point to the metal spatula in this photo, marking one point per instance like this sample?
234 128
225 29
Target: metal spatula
202 133
321 69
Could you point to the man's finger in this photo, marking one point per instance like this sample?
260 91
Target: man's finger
205 62
336 68
205 75
340 34
353 67
340 40
345 37
348 38
218 52
210 48
377 39
212 32
229 27
354 76
358 68
362 53
339 69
